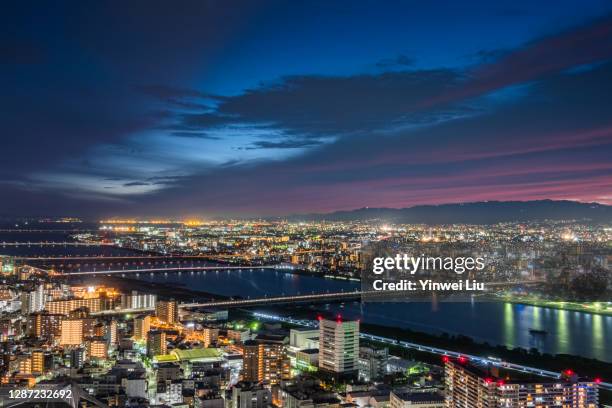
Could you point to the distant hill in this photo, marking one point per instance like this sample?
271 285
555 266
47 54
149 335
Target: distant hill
487 212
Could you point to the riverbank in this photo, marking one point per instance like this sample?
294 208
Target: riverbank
599 308
464 344
171 290
569 333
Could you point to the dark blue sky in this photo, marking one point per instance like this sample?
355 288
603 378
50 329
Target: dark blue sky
256 108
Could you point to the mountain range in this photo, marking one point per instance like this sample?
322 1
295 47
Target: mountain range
485 212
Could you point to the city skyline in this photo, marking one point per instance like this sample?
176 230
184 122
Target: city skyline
322 204
264 109
211 314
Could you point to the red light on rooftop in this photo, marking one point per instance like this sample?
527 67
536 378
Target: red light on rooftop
319 317
463 359
339 319
500 382
445 359
568 372
488 380
598 380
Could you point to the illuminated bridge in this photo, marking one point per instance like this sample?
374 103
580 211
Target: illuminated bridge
341 296
232 303
353 295
158 270
111 258
55 243
50 231
103 258
317 297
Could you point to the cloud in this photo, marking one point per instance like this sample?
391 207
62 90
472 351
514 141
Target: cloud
579 46
166 92
196 135
285 144
187 104
387 134
550 143
401 61
489 56
312 106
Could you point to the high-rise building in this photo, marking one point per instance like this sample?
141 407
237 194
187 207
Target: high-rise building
167 311
338 346
65 306
38 362
44 324
77 357
274 364
23 364
72 332
156 343
142 325
250 361
97 348
137 300
33 301
110 333
372 363
99 329
570 393
469 386
211 335
265 362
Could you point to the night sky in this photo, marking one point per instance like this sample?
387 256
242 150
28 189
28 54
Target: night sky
271 108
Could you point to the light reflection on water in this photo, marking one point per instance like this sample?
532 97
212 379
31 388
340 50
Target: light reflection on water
496 323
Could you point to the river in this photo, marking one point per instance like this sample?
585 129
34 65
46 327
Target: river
569 332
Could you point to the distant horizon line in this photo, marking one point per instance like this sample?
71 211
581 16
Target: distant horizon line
184 218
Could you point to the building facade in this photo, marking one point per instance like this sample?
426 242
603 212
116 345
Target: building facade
338 346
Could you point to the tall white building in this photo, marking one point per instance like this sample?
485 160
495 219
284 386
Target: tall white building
339 346
137 300
33 301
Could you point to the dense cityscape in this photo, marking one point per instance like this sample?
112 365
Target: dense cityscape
77 313
306 204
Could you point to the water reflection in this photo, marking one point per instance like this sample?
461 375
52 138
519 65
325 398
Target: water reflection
509 329
562 332
496 323
598 335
